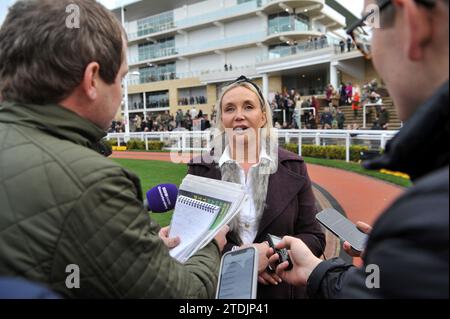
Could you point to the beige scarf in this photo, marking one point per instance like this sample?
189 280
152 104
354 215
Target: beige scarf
259 176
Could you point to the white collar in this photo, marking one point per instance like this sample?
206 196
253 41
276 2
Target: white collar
226 157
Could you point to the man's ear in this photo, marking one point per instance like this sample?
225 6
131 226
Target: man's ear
417 28
91 80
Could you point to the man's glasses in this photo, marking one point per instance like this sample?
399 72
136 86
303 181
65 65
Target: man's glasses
362 31
244 79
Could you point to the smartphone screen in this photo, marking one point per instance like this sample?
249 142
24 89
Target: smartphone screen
343 228
238 274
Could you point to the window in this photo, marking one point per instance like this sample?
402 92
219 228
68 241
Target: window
192 96
157 99
163 47
285 22
157 73
157 23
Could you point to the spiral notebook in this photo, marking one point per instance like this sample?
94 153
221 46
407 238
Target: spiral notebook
191 220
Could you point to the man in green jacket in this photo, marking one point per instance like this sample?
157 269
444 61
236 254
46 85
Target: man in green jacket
70 218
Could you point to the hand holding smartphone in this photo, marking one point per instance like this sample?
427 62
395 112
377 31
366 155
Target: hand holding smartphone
238 275
342 228
283 254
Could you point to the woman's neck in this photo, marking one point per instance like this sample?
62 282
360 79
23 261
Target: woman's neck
247 157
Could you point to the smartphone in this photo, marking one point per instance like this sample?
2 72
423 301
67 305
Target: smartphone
343 228
283 254
238 275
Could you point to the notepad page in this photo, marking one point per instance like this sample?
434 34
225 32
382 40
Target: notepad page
190 221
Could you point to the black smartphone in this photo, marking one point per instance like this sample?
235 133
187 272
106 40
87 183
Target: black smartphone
343 228
238 275
282 253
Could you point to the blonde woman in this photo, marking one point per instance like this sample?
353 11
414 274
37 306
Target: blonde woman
281 201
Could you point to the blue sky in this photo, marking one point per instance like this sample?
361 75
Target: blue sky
353 5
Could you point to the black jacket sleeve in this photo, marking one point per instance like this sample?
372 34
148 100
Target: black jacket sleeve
408 248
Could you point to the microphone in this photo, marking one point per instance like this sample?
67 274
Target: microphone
161 198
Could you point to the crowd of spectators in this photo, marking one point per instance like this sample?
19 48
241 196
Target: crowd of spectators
192 100
191 120
327 113
290 111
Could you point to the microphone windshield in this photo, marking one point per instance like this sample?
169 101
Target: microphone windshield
162 198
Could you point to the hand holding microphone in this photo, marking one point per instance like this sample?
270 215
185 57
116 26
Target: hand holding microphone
161 198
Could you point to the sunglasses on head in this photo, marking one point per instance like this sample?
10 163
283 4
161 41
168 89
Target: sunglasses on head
244 79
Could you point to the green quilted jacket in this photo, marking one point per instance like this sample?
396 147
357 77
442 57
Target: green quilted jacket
63 204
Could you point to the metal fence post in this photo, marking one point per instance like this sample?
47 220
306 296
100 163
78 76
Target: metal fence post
347 147
183 141
300 142
208 142
364 116
383 141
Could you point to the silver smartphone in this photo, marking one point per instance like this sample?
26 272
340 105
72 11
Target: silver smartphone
343 228
238 275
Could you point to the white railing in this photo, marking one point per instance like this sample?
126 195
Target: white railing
346 136
197 141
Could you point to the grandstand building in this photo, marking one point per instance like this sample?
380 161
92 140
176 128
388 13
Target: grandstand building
181 53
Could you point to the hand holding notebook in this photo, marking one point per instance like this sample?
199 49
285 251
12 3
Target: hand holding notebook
203 207
192 218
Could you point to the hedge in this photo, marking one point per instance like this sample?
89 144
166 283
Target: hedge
112 142
334 152
140 145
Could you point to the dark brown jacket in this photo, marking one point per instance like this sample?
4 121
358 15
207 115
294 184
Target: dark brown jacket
290 210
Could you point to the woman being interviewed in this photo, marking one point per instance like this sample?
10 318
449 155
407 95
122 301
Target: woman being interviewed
281 201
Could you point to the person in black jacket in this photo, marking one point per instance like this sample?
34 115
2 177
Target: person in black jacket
407 252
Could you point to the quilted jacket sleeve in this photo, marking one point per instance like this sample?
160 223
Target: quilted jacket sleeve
111 237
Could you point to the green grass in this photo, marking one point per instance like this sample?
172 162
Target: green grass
153 173
357 168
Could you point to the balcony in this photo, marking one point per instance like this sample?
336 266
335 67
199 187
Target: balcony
290 30
289 27
224 44
220 75
303 47
227 13
308 6
303 54
152 31
205 76
147 55
154 24
167 76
